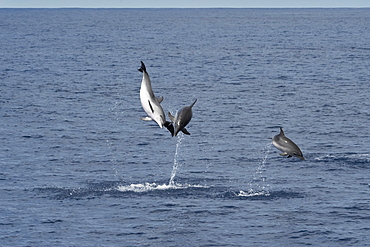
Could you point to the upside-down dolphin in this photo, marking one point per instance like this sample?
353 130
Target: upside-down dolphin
287 146
151 104
182 118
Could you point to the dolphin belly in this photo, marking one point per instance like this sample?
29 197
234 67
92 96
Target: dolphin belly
152 108
150 103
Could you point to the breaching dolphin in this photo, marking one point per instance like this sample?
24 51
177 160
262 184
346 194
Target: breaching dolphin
287 146
182 118
151 104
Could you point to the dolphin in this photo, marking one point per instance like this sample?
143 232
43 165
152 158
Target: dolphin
182 118
151 104
287 146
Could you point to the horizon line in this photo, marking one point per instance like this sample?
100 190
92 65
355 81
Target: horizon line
255 7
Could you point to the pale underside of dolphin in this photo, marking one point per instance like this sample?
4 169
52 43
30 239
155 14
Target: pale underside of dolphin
151 103
182 118
287 146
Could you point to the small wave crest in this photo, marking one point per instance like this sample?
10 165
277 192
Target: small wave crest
262 195
328 157
353 160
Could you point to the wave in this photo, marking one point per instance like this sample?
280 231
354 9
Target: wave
117 189
166 190
340 156
353 160
262 195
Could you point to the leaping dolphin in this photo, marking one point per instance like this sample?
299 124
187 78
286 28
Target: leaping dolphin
287 146
182 118
151 104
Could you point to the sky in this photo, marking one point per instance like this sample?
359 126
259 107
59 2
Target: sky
183 3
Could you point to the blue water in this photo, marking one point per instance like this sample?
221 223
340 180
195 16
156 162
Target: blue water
79 167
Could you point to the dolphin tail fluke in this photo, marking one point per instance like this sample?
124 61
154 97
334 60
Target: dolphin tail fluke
185 131
142 68
169 126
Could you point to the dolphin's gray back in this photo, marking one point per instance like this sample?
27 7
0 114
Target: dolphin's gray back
290 144
286 145
184 116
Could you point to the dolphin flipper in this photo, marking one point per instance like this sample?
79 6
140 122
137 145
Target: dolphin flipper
159 99
185 131
146 118
285 154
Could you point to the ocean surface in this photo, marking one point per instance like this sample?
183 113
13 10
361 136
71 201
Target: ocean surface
79 167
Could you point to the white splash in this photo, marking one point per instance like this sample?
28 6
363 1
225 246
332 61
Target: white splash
258 184
251 193
146 187
176 164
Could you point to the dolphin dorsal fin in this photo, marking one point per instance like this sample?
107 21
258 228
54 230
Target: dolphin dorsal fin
172 118
281 132
193 103
159 99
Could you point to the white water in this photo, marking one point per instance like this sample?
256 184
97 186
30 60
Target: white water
258 184
145 187
176 164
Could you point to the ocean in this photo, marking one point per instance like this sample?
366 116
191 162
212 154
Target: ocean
79 167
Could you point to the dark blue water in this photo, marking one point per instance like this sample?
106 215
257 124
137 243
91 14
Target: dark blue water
79 168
